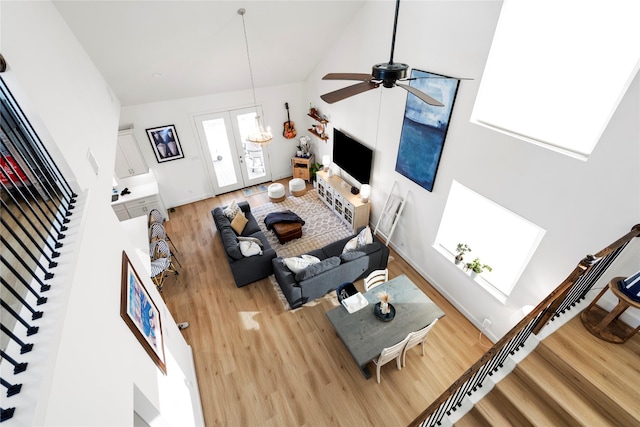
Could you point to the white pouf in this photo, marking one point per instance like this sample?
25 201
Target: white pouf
276 192
297 187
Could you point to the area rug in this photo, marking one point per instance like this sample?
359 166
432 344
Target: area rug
256 189
321 227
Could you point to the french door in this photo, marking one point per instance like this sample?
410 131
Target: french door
232 162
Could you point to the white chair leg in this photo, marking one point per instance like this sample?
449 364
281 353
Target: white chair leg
398 362
378 373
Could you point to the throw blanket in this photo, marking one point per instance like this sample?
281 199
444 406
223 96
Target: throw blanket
284 216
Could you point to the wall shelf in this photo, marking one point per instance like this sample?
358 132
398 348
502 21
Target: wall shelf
313 131
324 122
318 118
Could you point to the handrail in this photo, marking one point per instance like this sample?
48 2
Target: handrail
570 291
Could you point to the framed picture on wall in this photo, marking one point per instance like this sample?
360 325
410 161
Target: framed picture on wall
165 143
141 314
424 127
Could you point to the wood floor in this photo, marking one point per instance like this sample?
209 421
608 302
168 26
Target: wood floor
260 365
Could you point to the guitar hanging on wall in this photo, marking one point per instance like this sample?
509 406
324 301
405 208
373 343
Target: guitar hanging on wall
289 131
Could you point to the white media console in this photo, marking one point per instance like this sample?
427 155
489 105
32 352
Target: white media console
336 193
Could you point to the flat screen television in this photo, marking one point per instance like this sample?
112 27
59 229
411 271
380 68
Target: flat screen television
352 156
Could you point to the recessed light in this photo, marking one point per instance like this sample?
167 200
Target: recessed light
157 75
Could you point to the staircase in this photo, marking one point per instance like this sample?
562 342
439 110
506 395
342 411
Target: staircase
571 378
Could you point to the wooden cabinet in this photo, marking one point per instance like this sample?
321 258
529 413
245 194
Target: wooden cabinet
142 207
140 202
302 167
121 212
336 194
129 160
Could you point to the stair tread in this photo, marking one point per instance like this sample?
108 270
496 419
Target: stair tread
543 378
473 418
611 368
588 381
533 407
498 411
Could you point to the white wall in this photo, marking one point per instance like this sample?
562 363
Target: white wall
95 361
573 200
178 186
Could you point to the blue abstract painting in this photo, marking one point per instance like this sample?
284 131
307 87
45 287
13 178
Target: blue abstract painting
424 128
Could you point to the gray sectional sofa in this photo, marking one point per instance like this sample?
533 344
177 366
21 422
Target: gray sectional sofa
245 270
334 269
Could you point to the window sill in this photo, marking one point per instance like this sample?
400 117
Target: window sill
481 281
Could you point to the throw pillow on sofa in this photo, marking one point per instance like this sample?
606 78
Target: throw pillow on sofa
232 210
238 223
363 238
297 264
250 239
320 267
249 248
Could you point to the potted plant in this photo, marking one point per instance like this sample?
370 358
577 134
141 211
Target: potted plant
315 167
461 249
476 267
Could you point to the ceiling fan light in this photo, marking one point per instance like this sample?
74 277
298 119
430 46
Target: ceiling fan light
260 135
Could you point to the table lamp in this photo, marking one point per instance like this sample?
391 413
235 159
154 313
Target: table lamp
365 192
326 162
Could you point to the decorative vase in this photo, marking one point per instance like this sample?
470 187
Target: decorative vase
384 307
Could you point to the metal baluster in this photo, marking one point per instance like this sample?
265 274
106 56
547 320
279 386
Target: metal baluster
57 244
6 414
12 389
24 348
54 253
17 366
41 300
69 194
47 275
34 314
30 329
43 287
55 224
13 137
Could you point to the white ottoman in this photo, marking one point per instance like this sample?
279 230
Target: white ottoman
276 192
297 187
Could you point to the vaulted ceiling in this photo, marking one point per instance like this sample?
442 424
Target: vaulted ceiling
151 51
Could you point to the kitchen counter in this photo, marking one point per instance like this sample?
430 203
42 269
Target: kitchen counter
138 192
144 196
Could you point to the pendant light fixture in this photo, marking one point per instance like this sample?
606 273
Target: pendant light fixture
260 136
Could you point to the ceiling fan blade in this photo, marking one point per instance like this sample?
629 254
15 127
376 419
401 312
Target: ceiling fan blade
348 76
346 92
423 96
436 77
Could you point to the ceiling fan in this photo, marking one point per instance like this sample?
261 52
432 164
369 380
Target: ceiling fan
387 73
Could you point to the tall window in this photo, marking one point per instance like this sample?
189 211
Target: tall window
36 206
498 237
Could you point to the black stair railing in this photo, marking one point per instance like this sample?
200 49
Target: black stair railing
36 203
571 291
